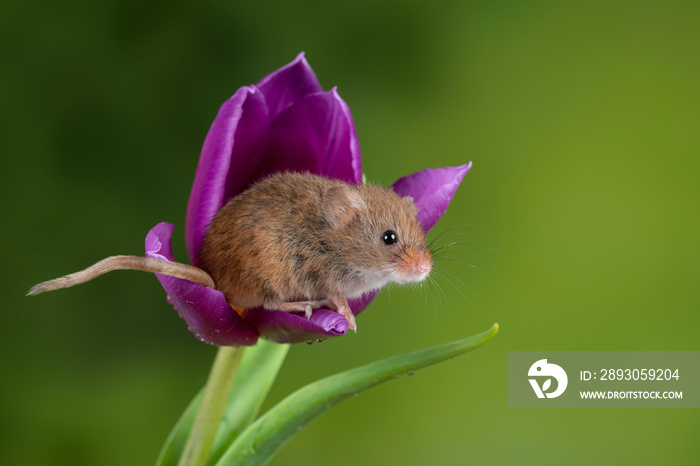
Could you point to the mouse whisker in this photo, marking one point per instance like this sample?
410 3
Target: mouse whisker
454 281
469 243
447 246
434 283
478 273
454 259
445 231
458 280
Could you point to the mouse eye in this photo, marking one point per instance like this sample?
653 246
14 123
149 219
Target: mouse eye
389 237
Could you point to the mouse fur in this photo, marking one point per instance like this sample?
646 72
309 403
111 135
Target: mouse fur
302 237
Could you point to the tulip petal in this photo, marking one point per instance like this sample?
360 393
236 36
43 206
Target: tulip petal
315 134
232 150
358 305
286 327
349 125
206 311
432 190
288 84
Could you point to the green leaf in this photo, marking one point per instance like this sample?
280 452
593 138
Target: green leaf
175 443
257 372
259 442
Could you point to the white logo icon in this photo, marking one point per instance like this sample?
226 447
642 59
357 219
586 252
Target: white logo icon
543 369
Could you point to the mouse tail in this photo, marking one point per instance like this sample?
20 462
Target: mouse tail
147 264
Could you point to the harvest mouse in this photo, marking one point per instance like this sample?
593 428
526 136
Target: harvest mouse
296 242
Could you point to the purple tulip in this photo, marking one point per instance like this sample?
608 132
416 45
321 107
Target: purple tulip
285 122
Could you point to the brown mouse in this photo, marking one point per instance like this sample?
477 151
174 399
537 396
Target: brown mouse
297 242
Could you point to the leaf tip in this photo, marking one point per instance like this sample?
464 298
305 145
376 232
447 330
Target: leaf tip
490 333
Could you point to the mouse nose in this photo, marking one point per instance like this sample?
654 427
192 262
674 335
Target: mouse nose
414 266
422 268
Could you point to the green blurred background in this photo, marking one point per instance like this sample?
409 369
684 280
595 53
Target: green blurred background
581 119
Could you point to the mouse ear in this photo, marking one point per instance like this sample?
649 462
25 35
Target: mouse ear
340 205
411 205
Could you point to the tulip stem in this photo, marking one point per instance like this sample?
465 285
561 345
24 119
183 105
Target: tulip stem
211 410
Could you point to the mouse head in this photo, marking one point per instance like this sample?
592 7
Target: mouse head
378 232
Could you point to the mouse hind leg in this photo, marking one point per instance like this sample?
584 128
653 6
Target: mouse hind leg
306 306
341 306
